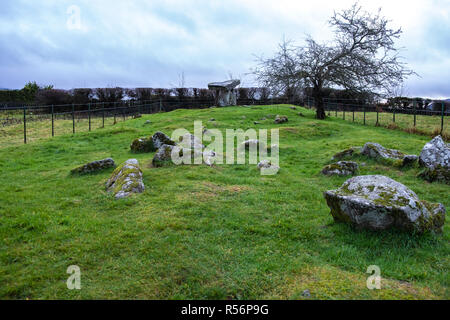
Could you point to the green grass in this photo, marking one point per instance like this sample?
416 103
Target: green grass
425 125
197 232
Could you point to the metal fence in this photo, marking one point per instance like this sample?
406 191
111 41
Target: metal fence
411 117
51 120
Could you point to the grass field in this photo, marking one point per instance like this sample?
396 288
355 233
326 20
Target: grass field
222 232
41 130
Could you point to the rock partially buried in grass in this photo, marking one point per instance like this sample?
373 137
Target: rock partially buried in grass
94 166
267 168
142 145
380 203
391 156
163 156
150 144
435 157
281 119
126 179
347 153
341 168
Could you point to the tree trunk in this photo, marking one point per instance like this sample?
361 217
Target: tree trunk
320 110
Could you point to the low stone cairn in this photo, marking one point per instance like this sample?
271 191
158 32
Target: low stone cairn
94 166
435 158
378 203
341 168
126 179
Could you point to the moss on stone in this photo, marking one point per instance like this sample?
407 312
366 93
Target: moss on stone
142 145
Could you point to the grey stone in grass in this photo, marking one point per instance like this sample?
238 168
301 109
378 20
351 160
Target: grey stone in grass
94 166
435 157
163 156
281 119
150 144
341 168
395 157
379 203
267 167
435 153
126 179
160 138
347 153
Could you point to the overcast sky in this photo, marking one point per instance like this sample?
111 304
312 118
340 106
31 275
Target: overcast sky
150 43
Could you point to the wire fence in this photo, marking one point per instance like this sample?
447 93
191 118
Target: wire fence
23 124
408 115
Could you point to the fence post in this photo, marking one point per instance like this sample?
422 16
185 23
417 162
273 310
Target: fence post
415 102
160 104
353 114
24 124
103 114
89 115
377 117
393 116
343 112
442 117
115 111
53 121
73 117
364 109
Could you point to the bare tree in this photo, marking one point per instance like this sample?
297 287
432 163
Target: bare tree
280 73
362 58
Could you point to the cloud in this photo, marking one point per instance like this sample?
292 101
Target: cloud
149 43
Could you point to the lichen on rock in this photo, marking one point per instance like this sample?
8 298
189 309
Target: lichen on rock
388 156
142 145
160 138
126 179
94 166
341 168
379 203
435 157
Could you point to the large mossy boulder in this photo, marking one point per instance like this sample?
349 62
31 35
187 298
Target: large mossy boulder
380 203
163 156
94 166
126 179
341 168
435 157
142 145
160 138
389 156
150 144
